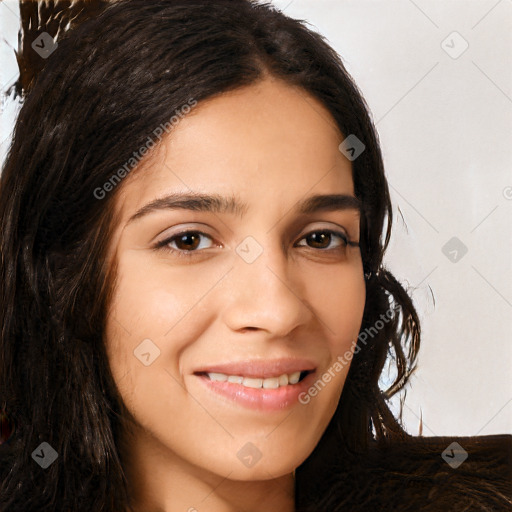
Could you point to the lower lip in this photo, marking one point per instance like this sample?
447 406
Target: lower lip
260 399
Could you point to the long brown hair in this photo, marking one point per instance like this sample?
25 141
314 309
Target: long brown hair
110 81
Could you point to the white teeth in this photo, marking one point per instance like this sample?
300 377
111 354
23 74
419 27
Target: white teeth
283 380
271 383
294 378
218 377
256 383
252 383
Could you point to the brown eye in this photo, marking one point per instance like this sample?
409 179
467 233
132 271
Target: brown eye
319 239
187 241
323 239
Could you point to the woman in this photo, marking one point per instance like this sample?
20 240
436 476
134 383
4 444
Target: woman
195 314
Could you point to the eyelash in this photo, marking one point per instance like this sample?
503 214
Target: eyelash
164 244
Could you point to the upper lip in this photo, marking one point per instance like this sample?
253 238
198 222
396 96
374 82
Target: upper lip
260 368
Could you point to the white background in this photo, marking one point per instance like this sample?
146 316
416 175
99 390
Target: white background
445 123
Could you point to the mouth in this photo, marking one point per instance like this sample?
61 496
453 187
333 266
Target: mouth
261 385
283 380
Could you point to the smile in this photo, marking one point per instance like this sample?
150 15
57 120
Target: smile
264 389
256 383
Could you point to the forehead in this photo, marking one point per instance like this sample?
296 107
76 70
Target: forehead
268 140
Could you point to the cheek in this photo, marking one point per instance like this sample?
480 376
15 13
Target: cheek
156 314
156 301
338 298
147 306
148 327
147 299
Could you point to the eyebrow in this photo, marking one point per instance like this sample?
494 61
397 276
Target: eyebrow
215 203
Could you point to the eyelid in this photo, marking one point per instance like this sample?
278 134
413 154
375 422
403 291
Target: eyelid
332 228
192 227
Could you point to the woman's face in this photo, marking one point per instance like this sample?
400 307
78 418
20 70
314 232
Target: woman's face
260 291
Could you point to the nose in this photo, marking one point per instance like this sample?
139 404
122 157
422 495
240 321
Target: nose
266 294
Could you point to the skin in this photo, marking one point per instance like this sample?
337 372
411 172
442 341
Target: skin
270 145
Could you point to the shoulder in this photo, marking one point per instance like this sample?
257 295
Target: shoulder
443 473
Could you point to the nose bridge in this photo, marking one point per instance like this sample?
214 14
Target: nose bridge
263 291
